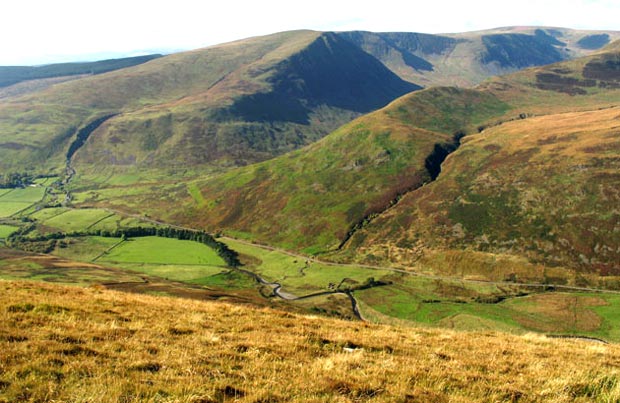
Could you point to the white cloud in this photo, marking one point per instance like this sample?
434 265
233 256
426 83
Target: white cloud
39 29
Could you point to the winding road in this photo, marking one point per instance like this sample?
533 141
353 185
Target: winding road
277 287
277 291
287 296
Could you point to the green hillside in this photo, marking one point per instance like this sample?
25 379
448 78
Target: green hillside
311 198
543 187
227 105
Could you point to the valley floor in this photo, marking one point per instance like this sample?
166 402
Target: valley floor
79 247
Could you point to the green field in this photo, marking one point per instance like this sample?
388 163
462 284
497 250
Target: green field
166 258
611 314
13 201
420 301
46 181
29 194
76 220
47 213
8 209
86 249
66 219
561 313
155 250
6 230
114 221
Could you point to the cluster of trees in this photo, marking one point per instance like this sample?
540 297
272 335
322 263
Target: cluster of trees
14 180
228 255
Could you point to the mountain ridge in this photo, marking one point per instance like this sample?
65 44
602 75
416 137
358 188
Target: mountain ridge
466 59
248 100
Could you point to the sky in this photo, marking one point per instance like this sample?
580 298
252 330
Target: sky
48 31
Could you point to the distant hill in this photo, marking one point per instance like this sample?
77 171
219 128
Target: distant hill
10 75
466 59
231 104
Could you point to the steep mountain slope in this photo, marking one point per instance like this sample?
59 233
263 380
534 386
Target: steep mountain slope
312 197
466 59
544 187
541 187
229 104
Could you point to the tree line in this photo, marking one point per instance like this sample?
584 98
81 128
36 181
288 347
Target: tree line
12 180
228 255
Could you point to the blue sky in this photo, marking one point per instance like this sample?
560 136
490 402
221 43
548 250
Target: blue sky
45 31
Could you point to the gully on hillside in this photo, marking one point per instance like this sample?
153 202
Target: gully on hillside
80 139
78 142
432 164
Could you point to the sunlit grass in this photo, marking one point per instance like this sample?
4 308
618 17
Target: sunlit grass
156 250
69 344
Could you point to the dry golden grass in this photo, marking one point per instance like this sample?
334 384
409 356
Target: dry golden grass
60 344
572 312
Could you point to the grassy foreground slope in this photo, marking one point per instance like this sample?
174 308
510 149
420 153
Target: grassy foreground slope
233 103
69 344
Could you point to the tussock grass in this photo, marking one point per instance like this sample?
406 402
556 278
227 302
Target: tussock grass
78 345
